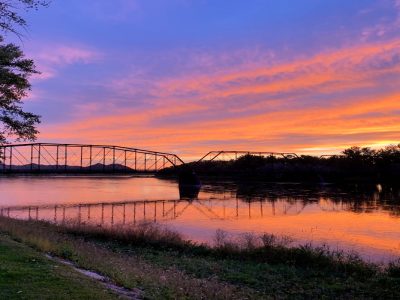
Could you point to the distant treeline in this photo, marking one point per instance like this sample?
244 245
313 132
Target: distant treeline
354 164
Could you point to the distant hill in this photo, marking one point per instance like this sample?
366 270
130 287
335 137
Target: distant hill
61 168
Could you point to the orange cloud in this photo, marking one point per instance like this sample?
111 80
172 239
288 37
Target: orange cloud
329 101
327 67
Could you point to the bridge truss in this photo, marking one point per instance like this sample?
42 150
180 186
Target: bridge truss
82 158
233 155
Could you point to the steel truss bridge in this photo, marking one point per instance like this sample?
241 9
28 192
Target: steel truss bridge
85 158
230 155
81 158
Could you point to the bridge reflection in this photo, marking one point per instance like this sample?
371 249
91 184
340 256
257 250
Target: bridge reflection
215 202
131 212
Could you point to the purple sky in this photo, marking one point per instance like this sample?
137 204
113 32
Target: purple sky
192 76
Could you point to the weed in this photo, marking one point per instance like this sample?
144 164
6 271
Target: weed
163 264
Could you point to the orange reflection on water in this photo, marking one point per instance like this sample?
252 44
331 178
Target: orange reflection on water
372 228
375 235
75 189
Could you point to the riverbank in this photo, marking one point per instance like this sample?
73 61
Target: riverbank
163 265
26 274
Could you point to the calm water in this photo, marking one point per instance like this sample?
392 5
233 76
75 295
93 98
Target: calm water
364 219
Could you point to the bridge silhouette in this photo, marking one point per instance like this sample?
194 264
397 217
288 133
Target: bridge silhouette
132 212
82 158
86 158
232 155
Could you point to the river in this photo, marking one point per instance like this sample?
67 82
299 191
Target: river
365 219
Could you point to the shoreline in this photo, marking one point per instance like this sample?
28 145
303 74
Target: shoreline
27 274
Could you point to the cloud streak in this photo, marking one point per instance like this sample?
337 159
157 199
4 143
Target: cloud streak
51 57
272 122
153 82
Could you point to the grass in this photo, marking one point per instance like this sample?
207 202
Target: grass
27 274
164 265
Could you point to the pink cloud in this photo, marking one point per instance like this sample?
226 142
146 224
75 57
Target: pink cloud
343 69
177 116
50 58
45 72
384 27
67 55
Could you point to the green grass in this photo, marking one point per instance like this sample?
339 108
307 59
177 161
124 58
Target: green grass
275 280
164 266
128 270
27 274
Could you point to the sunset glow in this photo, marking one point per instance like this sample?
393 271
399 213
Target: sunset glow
193 76
324 220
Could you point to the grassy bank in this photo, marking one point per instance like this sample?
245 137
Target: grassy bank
163 265
27 274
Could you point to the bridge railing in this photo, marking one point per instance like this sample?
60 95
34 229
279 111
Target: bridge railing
52 157
233 155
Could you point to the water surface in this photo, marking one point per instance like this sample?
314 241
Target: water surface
364 219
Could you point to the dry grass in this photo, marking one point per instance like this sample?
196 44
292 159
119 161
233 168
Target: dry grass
127 270
264 248
272 249
142 233
164 265
247 241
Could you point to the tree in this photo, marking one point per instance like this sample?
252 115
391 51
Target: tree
15 71
10 20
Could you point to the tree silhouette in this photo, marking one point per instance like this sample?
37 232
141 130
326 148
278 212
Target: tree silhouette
10 20
15 71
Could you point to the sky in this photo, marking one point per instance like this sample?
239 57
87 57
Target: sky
191 76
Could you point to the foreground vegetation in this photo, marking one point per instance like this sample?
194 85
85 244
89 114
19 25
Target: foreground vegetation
27 274
353 165
163 265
